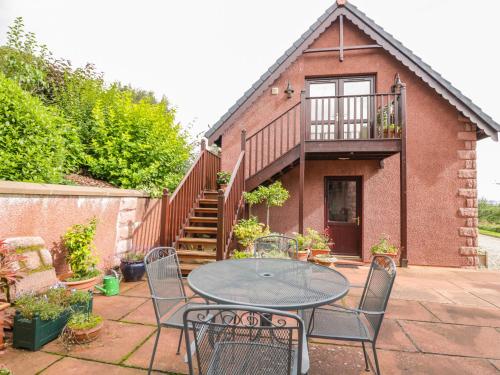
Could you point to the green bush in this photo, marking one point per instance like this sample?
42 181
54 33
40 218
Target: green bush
248 230
33 139
79 242
489 216
136 145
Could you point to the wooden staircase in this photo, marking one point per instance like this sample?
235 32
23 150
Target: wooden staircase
198 243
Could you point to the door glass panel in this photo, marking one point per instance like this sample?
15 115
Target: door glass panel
322 110
356 113
342 201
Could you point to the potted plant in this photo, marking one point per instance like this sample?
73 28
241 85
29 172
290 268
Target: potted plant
223 178
241 254
383 247
39 319
303 243
83 328
4 370
318 242
132 266
325 260
247 231
78 241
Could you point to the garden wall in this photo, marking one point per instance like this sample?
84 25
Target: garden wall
127 219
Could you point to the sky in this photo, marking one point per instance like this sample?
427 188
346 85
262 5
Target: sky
203 55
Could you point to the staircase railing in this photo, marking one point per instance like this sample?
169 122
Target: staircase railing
230 204
273 140
177 207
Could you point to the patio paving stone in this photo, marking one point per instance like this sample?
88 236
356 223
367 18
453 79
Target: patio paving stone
408 310
139 290
329 359
73 366
116 341
431 364
129 285
496 363
144 314
166 359
24 362
452 339
461 297
417 293
116 307
391 337
491 296
465 315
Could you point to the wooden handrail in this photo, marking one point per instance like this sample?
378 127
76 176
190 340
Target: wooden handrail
230 205
177 208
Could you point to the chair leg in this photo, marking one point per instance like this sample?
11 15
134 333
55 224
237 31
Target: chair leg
376 358
366 356
154 350
180 341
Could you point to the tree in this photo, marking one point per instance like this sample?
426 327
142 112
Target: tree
274 195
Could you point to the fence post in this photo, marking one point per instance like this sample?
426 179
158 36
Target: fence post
164 216
302 159
221 241
204 182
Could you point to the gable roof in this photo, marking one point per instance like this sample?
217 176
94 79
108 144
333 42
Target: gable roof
443 87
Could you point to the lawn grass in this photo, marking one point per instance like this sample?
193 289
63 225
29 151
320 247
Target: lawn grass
489 233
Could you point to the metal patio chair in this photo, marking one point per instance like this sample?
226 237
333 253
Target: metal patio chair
167 292
360 324
276 246
237 339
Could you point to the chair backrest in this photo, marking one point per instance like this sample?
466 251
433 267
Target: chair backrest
378 290
164 279
230 339
276 246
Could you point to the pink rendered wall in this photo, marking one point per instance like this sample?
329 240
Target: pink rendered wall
123 222
433 166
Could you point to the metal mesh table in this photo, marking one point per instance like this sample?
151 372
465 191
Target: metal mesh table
271 283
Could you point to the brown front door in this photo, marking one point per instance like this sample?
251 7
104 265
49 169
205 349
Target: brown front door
343 214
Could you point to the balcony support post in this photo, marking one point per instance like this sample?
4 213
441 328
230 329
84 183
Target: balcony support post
302 159
403 179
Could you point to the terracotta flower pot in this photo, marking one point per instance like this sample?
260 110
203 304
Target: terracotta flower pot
315 252
394 257
327 261
87 284
83 336
302 255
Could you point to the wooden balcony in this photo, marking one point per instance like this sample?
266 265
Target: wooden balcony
348 127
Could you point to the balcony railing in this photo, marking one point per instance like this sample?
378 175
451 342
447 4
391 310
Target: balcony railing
353 117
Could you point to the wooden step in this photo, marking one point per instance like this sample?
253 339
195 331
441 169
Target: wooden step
207 201
197 241
186 268
206 210
201 230
212 194
208 255
203 219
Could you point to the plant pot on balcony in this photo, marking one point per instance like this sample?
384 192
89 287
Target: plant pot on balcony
325 260
315 252
132 270
302 255
86 284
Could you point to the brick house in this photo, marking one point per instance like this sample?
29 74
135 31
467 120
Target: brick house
367 138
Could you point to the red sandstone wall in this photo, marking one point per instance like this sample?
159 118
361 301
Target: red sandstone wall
123 222
433 163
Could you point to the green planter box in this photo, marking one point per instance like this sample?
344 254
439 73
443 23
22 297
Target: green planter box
34 333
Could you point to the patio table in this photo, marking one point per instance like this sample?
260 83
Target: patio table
269 283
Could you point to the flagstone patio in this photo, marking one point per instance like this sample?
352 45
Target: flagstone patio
439 321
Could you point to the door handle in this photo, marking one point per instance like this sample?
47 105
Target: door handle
357 220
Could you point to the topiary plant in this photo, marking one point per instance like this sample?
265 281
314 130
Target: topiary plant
78 240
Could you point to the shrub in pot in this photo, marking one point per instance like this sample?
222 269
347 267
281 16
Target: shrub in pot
39 319
82 328
303 243
223 178
318 242
247 231
384 247
132 266
79 243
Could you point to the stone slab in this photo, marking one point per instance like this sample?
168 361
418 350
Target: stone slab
166 359
73 366
117 341
23 362
116 307
452 339
465 315
144 314
408 310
